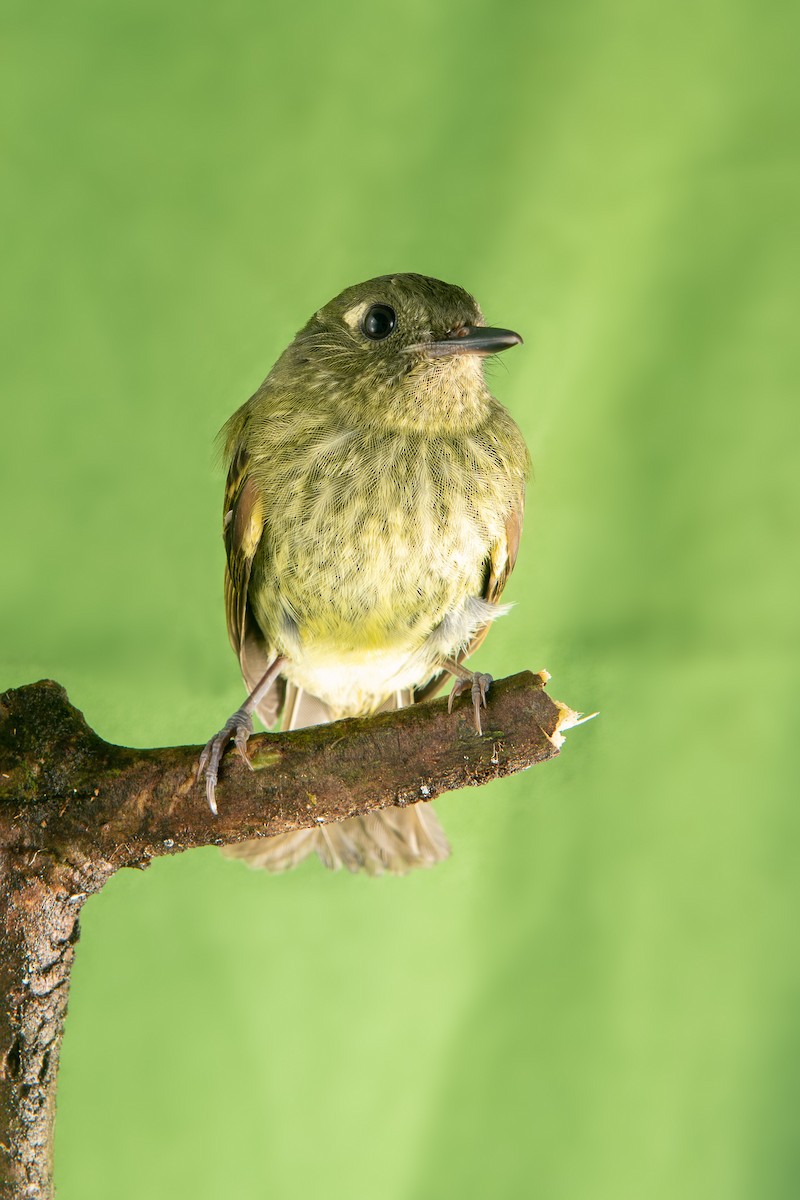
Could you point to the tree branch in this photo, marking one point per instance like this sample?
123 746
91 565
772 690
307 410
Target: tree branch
73 809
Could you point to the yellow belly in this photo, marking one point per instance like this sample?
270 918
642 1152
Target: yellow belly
358 682
374 558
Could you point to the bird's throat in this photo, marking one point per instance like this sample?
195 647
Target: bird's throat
440 397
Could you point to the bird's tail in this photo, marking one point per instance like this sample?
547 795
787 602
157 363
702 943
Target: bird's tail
392 840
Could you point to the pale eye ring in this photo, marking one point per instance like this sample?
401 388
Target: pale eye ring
379 321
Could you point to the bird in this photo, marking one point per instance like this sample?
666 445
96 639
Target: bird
372 516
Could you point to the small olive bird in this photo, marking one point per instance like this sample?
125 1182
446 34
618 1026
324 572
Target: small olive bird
372 516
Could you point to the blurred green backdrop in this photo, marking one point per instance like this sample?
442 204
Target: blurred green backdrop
597 996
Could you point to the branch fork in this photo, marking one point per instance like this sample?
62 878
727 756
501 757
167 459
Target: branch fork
74 809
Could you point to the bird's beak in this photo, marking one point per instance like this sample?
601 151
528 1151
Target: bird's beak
473 339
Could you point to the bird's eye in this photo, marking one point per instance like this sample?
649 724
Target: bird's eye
379 321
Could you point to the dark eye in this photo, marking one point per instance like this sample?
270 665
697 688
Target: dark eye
379 321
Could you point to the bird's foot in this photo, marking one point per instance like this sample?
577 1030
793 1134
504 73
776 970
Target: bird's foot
479 685
237 729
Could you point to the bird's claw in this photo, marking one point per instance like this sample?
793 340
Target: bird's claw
479 685
241 739
236 729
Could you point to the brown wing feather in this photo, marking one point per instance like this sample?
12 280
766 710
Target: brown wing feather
499 566
242 530
242 526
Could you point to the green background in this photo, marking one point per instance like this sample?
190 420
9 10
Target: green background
597 996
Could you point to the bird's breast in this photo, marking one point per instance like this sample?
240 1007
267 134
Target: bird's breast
370 541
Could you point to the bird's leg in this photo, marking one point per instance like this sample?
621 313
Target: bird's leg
478 684
237 729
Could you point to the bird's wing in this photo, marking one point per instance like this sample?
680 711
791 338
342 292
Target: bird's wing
242 530
242 526
499 565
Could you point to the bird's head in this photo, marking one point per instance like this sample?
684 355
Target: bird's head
399 350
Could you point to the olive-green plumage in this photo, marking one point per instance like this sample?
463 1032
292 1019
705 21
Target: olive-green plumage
372 515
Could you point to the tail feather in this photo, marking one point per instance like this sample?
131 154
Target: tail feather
390 840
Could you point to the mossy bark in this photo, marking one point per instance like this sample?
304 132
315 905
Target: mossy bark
73 809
